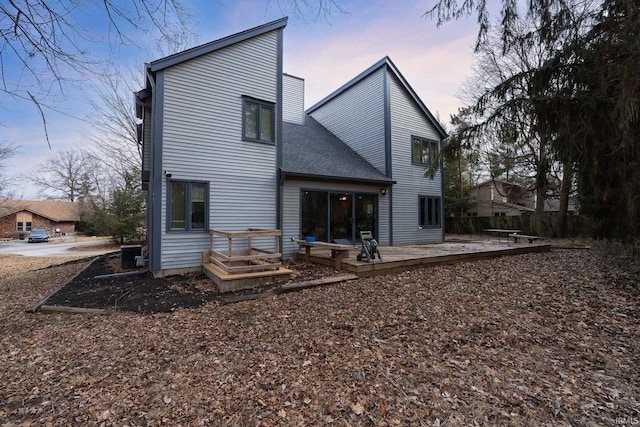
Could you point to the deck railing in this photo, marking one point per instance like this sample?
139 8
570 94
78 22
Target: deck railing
249 258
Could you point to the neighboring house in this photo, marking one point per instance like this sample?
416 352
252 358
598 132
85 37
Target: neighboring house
227 145
19 217
502 198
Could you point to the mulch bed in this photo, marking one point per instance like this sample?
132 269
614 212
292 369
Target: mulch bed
139 292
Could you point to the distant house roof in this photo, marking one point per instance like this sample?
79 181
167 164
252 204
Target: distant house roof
310 151
550 204
494 181
386 61
56 211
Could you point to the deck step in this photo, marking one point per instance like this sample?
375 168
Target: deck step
234 282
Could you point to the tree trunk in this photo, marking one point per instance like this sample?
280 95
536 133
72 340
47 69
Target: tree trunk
541 176
461 182
567 175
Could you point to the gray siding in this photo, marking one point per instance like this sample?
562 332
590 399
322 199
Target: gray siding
293 99
356 116
291 209
407 120
146 139
202 140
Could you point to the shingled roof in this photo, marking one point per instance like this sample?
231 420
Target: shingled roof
53 210
310 151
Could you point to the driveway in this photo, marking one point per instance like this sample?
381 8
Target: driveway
56 247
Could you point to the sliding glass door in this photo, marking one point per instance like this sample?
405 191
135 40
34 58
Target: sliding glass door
329 215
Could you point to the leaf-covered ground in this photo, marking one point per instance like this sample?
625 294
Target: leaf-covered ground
540 339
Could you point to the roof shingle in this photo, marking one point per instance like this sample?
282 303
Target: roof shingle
52 209
311 151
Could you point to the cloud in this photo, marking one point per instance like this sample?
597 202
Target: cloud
434 60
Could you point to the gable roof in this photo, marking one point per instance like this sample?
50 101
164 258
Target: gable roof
500 181
57 211
310 151
206 48
384 62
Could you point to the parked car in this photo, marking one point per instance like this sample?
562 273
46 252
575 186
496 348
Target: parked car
38 235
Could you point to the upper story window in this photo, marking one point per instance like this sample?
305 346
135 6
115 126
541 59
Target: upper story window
188 206
258 120
423 151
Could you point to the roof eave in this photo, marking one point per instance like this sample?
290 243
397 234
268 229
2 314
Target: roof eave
204 49
314 177
386 61
347 85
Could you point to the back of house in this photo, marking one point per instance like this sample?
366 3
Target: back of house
209 137
228 146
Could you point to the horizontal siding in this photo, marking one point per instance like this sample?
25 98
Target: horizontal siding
357 117
291 209
407 120
146 140
202 140
292 99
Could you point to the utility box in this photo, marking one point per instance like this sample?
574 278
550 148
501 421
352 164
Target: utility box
128 256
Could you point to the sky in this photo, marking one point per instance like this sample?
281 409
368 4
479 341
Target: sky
325 52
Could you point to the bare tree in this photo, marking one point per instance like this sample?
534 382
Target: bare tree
308 10
68 175
115 138
43 42
6 151
514 145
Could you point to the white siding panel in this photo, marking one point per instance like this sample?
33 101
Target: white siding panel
356 116
407 120
293 99
202 140
291 209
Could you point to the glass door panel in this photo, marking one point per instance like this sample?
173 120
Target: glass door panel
314 215
365 211
341 216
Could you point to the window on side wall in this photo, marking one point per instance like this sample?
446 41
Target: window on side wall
258 120
188 205
423 151
429 212
19 226
28 225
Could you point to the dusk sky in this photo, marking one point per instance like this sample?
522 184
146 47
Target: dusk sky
435 61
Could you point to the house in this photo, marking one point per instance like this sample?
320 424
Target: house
19 217
227 145
503 198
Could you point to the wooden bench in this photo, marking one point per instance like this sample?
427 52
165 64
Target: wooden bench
501 232
517 236
337 250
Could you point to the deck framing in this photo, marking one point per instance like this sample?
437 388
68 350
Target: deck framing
398 259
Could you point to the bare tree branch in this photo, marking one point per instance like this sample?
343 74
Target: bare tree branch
46 44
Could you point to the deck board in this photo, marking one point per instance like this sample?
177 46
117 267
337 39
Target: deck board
401 258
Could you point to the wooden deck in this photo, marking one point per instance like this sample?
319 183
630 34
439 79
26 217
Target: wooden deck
400 258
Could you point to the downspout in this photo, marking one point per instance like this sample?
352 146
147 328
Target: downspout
442 214
157 111
387 144
279 100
